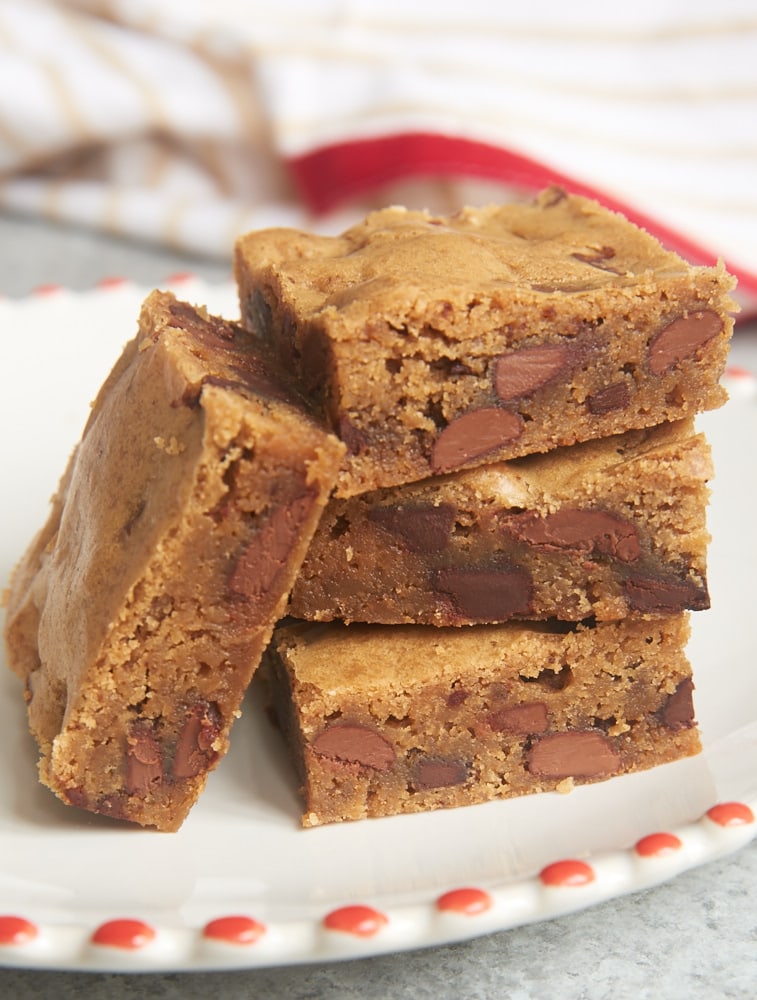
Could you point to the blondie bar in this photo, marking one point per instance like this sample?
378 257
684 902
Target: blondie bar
435 344
392 719
605 528
138 615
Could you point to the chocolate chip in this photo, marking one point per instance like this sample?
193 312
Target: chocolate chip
613 397
598 257
552 196
76 797
251 379
661 595
236 362
423 528
203 327
531 717
136 514
486 594
456 697
315 362
195 750
258 316
264 558
577 754
578 529
438 772
520 373
473 435
682 339
144 766
113 805
355 744
353 437
678 710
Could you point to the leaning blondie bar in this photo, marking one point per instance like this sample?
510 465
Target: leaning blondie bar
435 344
138 615
398 719
604 528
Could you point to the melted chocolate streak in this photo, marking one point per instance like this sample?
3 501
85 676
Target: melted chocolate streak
240 362
502 588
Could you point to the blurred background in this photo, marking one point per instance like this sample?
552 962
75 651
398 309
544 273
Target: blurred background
178 124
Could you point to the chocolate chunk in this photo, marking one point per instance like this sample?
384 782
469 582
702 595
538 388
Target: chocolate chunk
522 372
661 595
355 744
231 366
252 379
682 339
113 805
203 327
598 257
486 594
136 514
264 558
195 751
613 397
437 772
76 797
577 754
473 435
456 697
144 766
530 717
315 362
579 529
678 710
258 315
423 528
551 196
355 439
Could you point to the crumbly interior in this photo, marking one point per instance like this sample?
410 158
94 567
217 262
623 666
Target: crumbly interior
603 529
391 719
443 343
138 617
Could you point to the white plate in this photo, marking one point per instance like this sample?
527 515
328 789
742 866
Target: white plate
64 873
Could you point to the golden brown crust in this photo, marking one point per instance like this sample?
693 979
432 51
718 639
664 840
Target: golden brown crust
436 344
383 720
606 528
134 619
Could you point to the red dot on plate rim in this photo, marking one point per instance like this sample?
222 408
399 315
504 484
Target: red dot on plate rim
234 930
731 814
126 933
569 873
112 281
362 921
17 930
655 845
467 900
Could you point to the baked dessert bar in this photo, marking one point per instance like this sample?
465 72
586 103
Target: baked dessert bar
138 615
604 528
398 719
435 344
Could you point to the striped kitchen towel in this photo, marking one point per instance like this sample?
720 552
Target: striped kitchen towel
189 121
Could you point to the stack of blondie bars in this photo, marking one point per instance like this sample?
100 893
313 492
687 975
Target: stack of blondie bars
444 473
496 598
